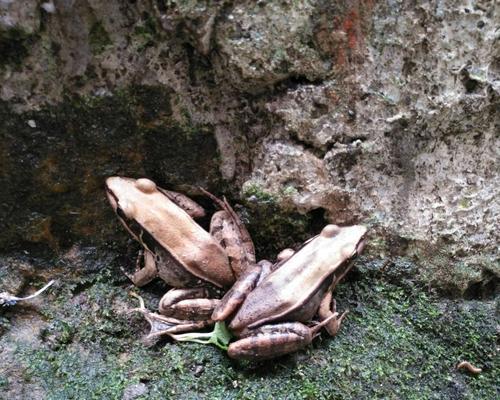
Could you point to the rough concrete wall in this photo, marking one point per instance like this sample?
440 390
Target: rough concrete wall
411 139
405 135
378 112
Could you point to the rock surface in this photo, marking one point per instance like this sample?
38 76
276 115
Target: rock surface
381 113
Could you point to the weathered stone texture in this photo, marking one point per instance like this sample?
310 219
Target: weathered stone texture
378 112
409 138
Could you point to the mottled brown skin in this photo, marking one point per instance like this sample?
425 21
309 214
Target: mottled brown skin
177 249
189 304
269 312
230 231
270 341
238 293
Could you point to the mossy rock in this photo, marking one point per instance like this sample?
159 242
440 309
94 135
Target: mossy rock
394 339
54 163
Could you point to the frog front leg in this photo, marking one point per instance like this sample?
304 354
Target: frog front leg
328 310
142 276
241 288
159 264
273 340
328 305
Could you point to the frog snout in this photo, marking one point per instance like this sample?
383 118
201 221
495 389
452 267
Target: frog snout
111 198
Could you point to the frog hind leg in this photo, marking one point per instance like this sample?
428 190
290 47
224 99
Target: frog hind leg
274 340
191 207
226 233
235 296
142 276
271 341
239 229
188 304
161 325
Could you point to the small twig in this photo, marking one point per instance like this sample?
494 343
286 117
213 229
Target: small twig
469 367
142 306
6 299
384 266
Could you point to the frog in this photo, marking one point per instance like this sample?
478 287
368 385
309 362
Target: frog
270 308
196 264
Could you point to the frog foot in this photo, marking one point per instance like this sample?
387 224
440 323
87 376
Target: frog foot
333 325
161 325
326 312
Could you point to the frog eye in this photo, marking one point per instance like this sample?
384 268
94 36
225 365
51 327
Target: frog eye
145 185
330 231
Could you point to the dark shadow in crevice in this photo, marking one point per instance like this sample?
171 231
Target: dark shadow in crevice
487 289
318 152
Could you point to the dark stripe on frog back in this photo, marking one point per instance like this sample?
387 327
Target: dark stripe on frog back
172 272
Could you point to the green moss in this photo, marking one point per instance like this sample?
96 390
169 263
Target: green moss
146 27
289 191
3 382
464 203
98 38
4 324
74 373
395 338
253 192
145 32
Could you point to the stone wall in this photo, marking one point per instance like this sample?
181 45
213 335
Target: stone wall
384 113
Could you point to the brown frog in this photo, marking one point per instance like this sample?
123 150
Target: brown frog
269 306
179 251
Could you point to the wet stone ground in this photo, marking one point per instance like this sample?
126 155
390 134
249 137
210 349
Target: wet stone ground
400 340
